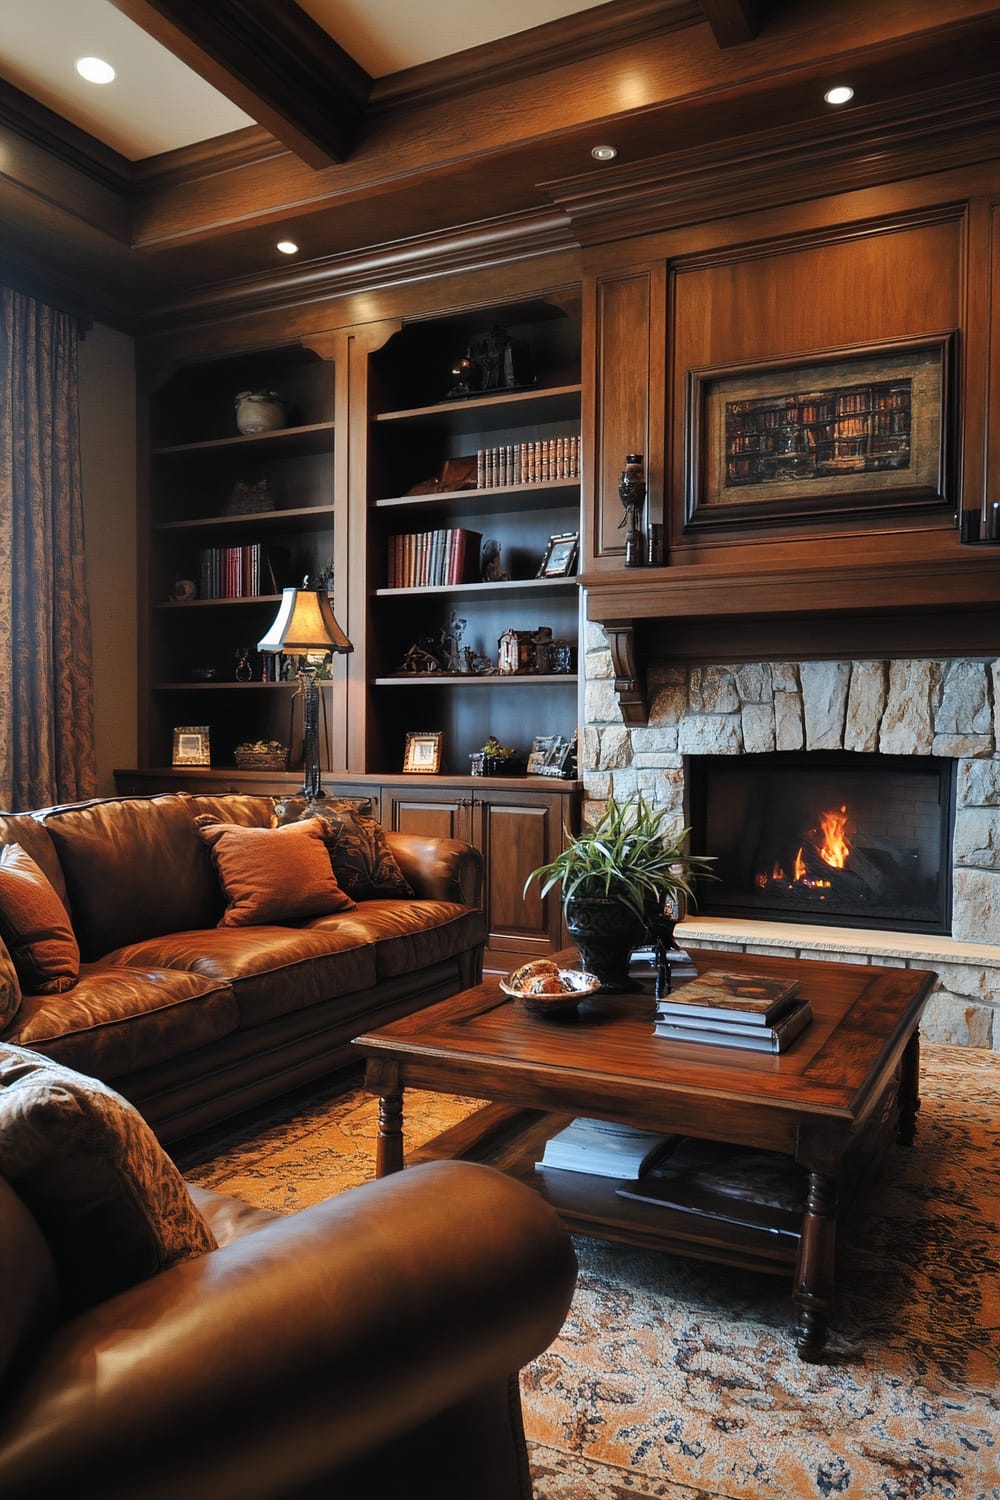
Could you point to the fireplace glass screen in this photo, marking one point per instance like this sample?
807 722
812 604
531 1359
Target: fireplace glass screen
826 837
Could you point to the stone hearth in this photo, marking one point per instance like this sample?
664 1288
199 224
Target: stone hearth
946 708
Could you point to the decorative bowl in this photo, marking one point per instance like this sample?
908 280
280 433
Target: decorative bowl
578 985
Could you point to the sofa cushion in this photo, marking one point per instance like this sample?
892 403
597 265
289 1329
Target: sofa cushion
10 987
272 875
111 1204
134 867
409 935
272 970
117 1021
35 926
362 861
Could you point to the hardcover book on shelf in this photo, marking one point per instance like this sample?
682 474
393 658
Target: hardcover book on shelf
756 1000
603 1148
755 1038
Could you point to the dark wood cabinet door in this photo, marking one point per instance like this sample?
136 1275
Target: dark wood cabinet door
517 832
438 812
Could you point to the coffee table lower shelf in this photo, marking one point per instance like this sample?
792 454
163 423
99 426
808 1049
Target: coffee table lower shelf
513 1140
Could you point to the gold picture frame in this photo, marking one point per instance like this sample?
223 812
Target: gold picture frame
192 745
852 430
422 752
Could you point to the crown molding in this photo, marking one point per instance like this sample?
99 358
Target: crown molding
954 126
475 247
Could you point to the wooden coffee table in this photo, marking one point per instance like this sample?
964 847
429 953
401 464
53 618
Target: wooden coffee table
834 1102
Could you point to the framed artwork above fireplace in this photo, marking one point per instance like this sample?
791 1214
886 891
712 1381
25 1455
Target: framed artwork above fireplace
853 430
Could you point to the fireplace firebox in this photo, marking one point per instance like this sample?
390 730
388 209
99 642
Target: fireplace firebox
826 837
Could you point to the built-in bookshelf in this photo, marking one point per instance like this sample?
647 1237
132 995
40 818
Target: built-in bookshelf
467 492
230 519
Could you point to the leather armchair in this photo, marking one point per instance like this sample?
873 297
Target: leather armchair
366 1347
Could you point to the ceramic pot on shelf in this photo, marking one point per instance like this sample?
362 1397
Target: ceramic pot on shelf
260 411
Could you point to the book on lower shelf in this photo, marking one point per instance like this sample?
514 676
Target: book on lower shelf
604 1149
754 999
719 1033
737 1184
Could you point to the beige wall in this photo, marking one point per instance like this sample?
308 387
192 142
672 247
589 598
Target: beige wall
107 430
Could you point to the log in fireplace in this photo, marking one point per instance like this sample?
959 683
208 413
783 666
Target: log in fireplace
826 837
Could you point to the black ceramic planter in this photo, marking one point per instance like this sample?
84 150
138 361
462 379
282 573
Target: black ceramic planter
605 933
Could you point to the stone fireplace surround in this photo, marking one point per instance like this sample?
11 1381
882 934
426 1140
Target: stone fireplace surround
947 708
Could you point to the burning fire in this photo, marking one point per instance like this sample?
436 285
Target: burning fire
830 845
834 849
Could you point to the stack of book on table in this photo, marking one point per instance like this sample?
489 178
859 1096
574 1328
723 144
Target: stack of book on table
734 1010
604 1149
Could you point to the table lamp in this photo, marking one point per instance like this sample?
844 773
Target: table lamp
304 623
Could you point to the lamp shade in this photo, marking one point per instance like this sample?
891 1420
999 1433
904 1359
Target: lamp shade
304 622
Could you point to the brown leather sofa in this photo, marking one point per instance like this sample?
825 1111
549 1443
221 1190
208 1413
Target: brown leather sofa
194 1022
365 1348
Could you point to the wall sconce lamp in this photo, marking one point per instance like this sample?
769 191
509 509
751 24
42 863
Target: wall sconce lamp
305 623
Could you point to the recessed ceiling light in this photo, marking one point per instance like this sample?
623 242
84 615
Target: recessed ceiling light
95 70
604 153
288 247
842 94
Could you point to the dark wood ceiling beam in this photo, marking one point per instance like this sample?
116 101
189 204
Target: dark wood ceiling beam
733 21
273 61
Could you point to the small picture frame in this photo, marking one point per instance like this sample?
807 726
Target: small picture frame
542 746
560 555
192 745
422 753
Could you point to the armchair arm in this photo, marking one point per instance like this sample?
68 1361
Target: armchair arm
275 1360
440 869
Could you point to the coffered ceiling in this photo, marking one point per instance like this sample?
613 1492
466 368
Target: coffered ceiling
370 131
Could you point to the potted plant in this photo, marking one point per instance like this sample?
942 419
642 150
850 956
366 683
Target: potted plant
622 879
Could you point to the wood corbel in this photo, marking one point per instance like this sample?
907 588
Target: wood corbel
630 681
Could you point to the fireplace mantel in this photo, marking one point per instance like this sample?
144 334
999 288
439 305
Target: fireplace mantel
946 606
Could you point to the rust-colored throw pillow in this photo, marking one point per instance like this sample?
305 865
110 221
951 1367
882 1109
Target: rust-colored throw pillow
109 1201
35 926
272 874
362 861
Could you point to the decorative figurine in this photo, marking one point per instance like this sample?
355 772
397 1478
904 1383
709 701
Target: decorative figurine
632 493
507 653
244 671
419 660
450 654
503 363
490 570
477 665
466 378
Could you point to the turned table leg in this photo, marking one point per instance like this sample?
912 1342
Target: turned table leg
389 1152
909 1091
814 1276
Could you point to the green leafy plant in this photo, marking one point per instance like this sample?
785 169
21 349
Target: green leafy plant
628 856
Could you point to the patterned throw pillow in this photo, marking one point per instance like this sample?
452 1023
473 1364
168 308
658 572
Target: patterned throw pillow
362 861
272 875
10 987
35 926
110 1202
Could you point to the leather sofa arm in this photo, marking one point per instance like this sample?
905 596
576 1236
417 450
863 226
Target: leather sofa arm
440 869
270 1363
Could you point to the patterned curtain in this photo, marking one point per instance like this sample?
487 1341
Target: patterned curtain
46 688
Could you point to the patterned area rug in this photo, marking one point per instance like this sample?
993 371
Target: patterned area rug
677 1380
